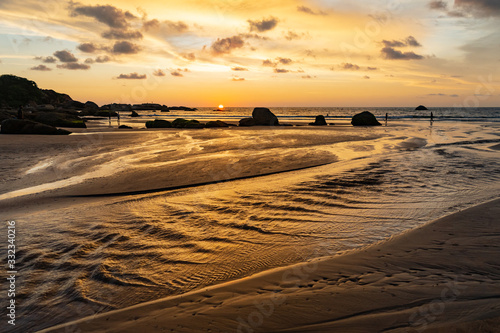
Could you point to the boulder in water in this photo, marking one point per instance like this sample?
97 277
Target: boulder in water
421 108
134 114
246 122
365 118
264 116
158 123
217 123
320 121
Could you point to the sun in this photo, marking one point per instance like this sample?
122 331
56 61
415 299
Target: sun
221 106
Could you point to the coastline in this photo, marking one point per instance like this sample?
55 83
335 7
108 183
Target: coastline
440 277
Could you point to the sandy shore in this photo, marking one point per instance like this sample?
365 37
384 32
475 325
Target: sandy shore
442 277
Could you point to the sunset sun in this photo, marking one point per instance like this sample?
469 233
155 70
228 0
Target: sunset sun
221 106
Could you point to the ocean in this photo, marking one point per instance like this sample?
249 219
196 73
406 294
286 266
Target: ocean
274 197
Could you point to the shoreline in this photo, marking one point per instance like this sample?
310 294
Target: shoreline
443 275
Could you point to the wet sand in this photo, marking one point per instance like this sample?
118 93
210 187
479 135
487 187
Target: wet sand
441 277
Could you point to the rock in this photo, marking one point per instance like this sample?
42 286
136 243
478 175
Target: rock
46 107
179 123
91 105
76 105
421 108
134 114
58 119
158 123
263 116
194 124
217 123
125 127
320 121
18 126
365 118
246 122
7 114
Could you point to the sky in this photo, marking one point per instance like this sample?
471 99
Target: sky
258 53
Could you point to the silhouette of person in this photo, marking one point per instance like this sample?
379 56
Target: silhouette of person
20 114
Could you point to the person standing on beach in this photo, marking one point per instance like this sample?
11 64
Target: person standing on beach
118 118
386 116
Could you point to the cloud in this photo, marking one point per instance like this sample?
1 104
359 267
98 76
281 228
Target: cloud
307 77
176 73
165 26
349 67
159 72
188 56
408 41
132 76
480 7
226 45
263 25
411 41
438 5
87 47
65 56
102 59
284 61
393 43
41 68
290 35
269 63
308 10
47 60
107 14
366 77
372 68
392 54
239 69
74 66
442 95
125 47
122 34
238 79
255 36
281 70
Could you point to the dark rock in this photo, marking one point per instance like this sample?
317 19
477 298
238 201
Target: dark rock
76 105
217 123
365 118
421 108
178 108
158 123
7 114
179 123
125 126
194 124
91 105
134 114
17 91
246 122
320 121
117 107
18 126
263 116
58 119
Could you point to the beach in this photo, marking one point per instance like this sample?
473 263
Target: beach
112 222
442 277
